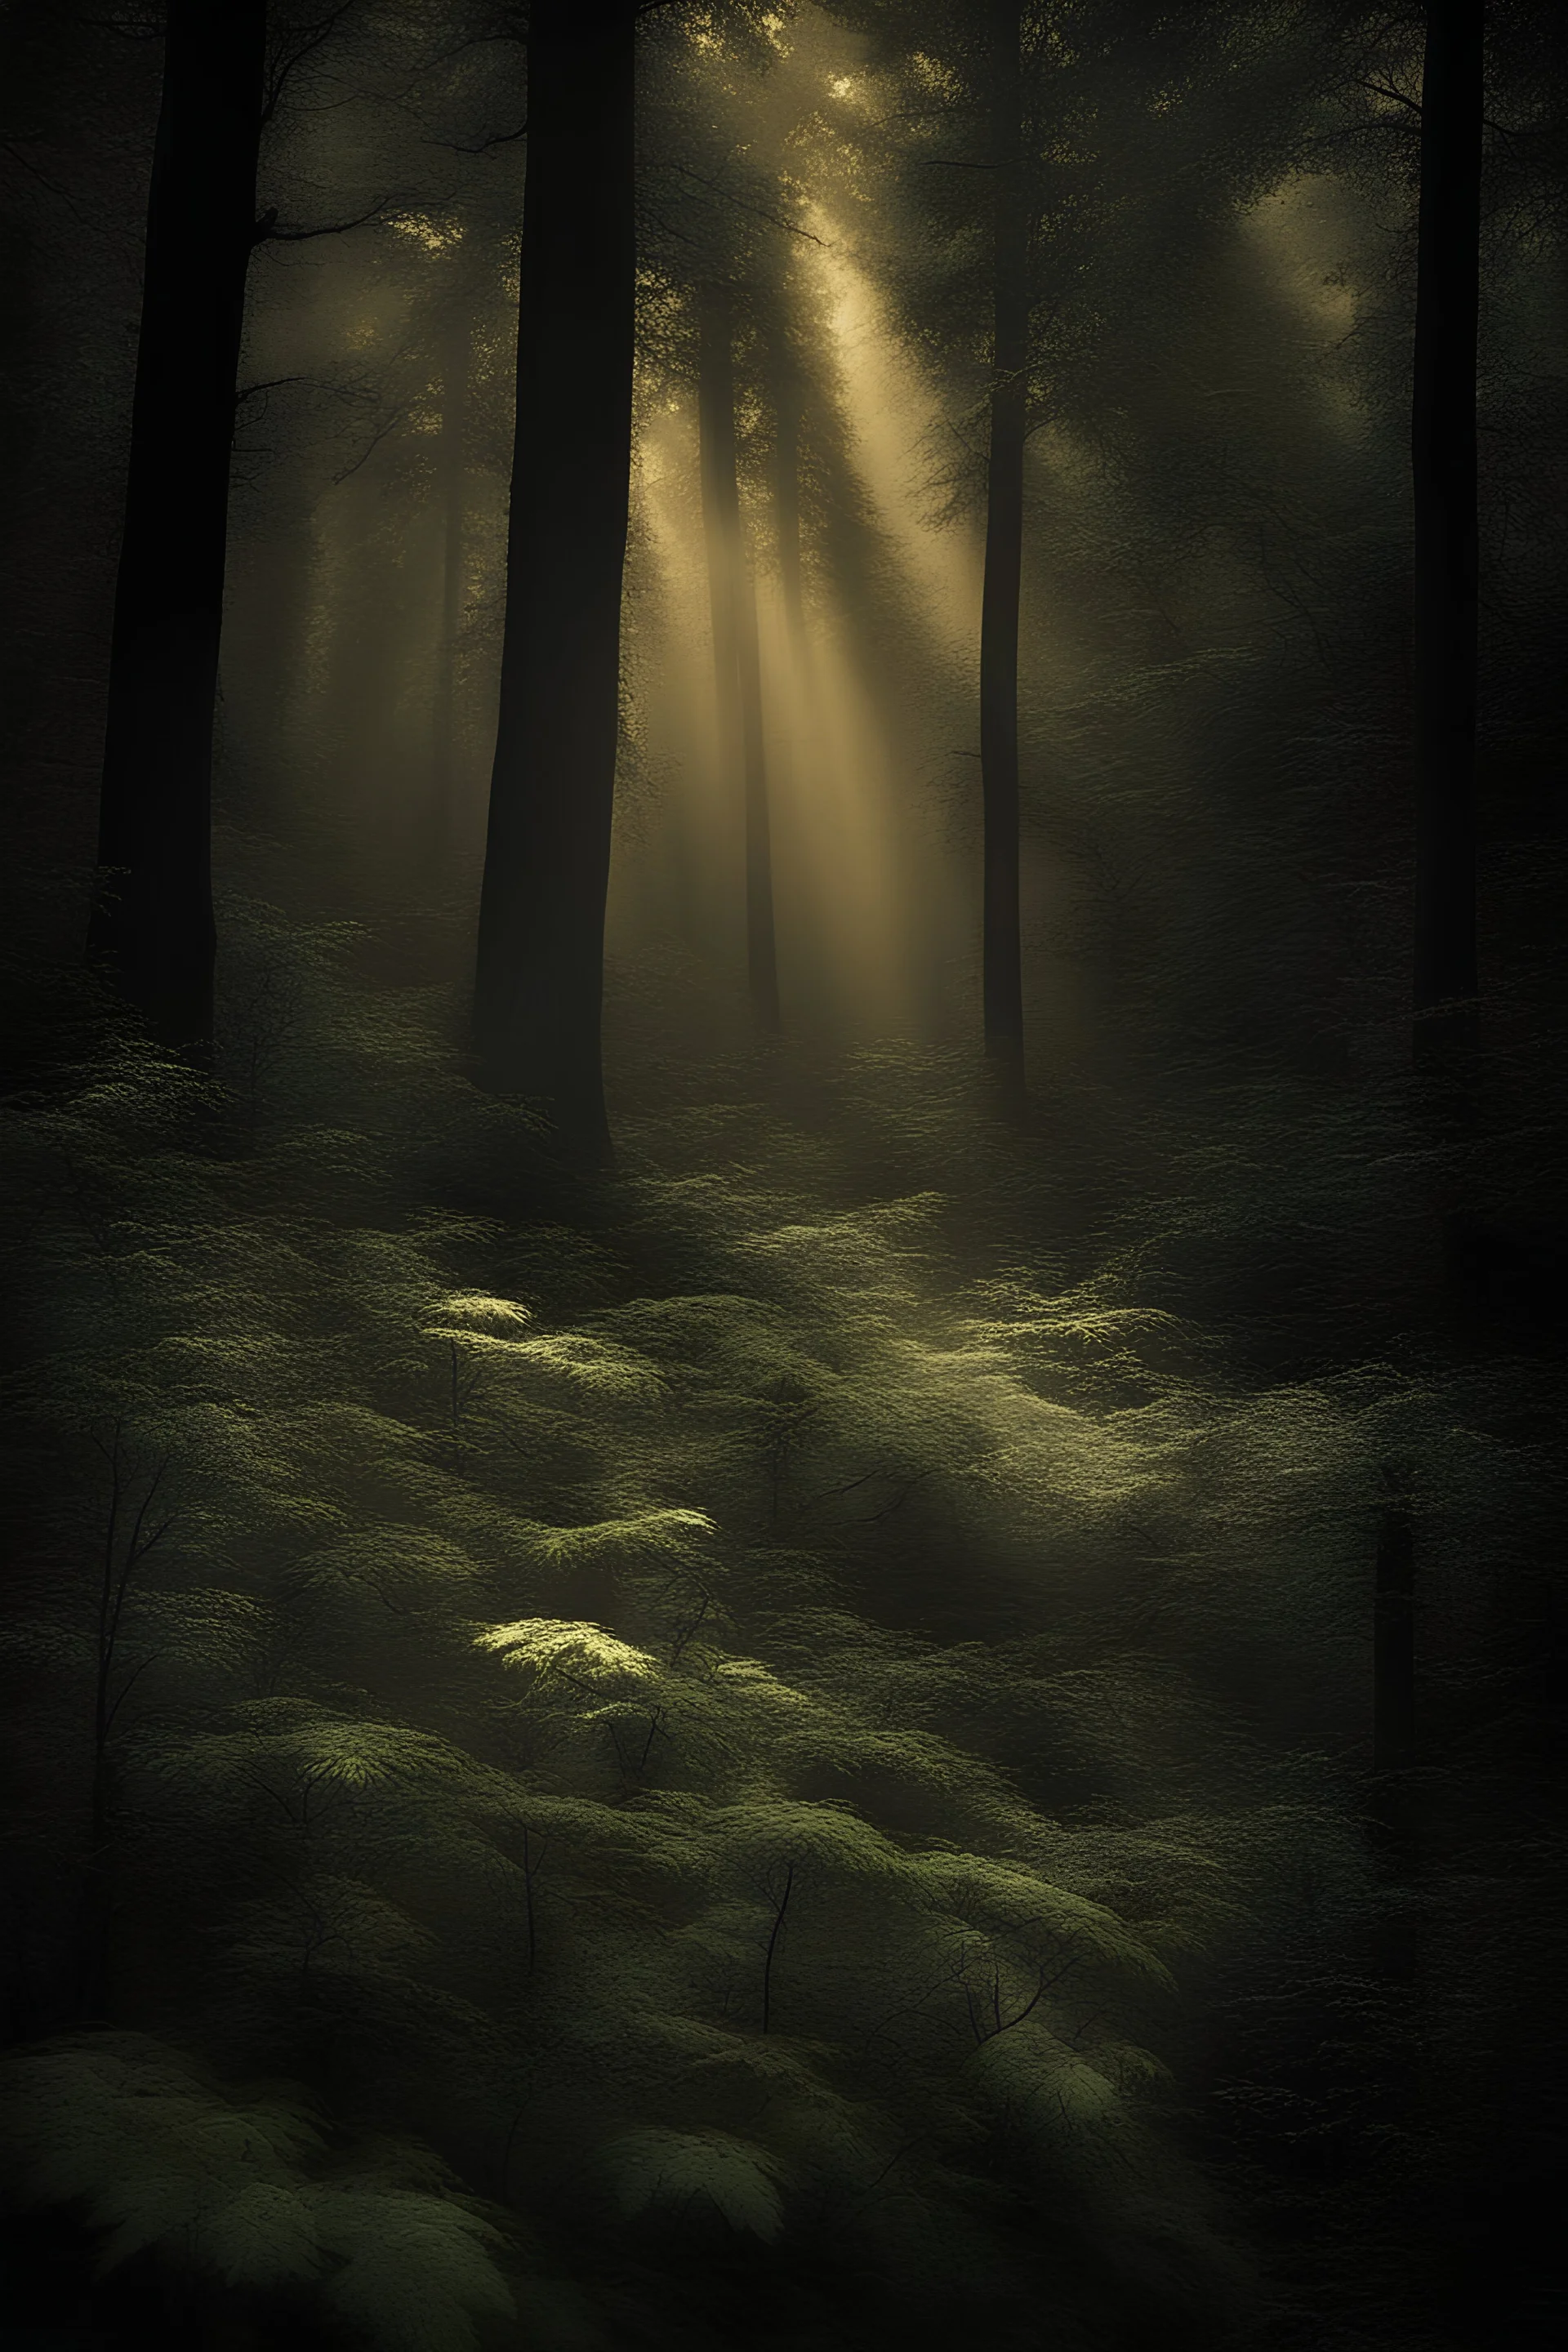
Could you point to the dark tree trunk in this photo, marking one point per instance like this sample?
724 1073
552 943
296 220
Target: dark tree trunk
153 915
737 659
1002 951
539 984
1443 449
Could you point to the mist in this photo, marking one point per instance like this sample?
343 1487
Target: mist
781 1155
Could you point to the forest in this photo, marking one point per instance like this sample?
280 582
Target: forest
780 1175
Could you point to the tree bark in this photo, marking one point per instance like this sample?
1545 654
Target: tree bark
1001 956
539 993
737 659
153 914
1443 451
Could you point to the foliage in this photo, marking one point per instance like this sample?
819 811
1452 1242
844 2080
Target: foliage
242 2188
741 1738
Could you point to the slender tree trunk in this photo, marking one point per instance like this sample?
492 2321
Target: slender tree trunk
539 984
1443 449
716 433
453 491
787 408
737 659
1001 956
153 914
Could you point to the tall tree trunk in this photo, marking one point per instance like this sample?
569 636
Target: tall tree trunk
539 994
1443 449
453 481
737 660
788 403
153 913
716 454
1002 957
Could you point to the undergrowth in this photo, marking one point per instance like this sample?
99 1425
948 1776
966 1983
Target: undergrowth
677 1763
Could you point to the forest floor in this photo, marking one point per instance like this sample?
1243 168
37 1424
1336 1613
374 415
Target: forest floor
775 1749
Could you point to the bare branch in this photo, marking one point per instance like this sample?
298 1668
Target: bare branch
266 231
762 211
129 1684
272 383
1386 90
482 146
308 38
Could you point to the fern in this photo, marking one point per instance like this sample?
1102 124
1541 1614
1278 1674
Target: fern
245 2192
707 2170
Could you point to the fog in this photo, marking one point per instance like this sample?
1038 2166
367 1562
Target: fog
870 1673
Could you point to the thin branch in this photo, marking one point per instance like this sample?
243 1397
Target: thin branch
687 1632
129 1684
831 1493
1386 90
310 40
266 231
482 146
901 1498
347 472
773 1945
761 211
1046 1981
655 1726
272 383
677 235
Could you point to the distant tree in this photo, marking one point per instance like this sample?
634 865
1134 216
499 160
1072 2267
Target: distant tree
788 385
1049 168
1001 946
986 283
456 361
737 659
1443 452
153 915
719 228
539 983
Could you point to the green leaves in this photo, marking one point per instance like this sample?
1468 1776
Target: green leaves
1006 1899
244 2189
688 2172
308 1746
412 2272
125 2125
583 1656
540 1737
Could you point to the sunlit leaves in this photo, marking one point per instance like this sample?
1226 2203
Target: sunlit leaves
316 1746
583 1656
